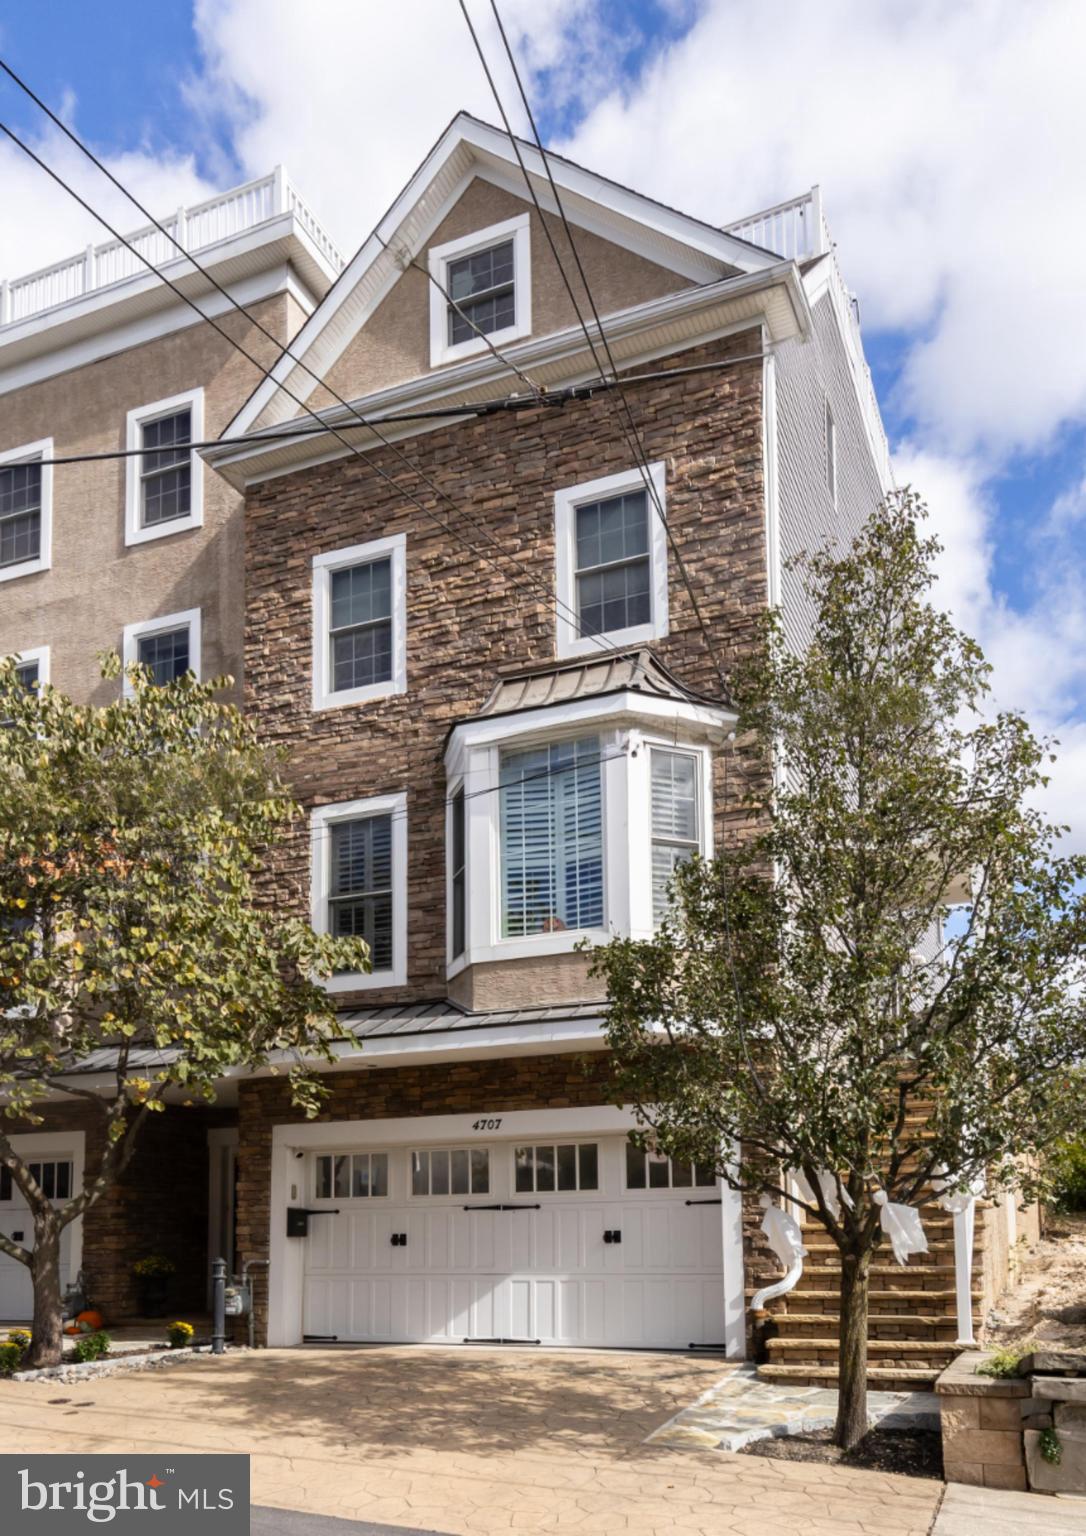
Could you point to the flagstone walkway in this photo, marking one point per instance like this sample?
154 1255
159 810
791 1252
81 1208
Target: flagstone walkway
739 1409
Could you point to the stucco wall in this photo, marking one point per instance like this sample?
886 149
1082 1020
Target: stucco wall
395 344
96 585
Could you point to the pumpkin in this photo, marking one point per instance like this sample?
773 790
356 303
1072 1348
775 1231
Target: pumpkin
89 1322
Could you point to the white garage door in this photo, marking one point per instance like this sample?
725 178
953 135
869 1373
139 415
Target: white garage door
55 1175
570 1241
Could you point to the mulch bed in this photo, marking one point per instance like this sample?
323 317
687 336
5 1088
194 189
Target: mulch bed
911 1452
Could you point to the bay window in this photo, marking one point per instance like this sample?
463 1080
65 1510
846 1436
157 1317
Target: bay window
578 813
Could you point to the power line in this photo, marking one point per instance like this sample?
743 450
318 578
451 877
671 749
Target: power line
552 599
632 434
552 398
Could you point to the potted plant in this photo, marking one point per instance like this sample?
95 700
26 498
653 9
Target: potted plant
153 1273
179 1334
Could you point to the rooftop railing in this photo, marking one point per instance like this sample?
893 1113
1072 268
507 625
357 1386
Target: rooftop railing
797 231
195 229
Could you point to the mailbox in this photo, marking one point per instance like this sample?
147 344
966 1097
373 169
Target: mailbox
298 1218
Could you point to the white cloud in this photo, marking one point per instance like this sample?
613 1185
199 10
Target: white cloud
1037 652
44 224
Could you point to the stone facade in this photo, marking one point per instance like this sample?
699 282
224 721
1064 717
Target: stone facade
468 618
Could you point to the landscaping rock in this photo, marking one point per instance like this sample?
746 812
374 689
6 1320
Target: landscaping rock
71 1370
1066 1476
1053 1362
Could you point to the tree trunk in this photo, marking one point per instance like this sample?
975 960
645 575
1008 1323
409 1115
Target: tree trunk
851 1423
47 1335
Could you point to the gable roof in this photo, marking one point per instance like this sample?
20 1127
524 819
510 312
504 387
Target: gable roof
468 148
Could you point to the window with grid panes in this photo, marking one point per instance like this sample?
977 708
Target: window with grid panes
166 469
450 1171
556 1167
614 569
20 513
483 293
165 653
361 625
651 1170
351 1176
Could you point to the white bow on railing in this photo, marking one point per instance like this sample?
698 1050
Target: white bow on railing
902 1226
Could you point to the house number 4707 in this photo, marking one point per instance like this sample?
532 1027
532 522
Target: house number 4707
487 1125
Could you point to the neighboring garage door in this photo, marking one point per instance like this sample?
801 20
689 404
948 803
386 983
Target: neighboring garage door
55 1175
573 1241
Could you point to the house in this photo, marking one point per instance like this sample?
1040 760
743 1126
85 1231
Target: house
514 502
141 555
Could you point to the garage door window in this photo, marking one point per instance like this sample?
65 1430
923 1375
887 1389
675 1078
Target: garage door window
54 1178
451 1171
649 1170
341 1176
563 1167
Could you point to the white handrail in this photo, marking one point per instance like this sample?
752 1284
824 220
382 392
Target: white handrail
780 1287
196 228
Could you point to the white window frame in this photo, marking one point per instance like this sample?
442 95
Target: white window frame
830 431
321 821
703 796
566 502
519 229
324 566
134 531
134 633
627 727
28 454
38 653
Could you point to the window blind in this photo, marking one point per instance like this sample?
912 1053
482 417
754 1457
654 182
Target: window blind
551 838
361 896
674 820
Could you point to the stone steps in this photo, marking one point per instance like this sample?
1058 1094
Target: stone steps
930 1326
890 1354
944 1298
879 1378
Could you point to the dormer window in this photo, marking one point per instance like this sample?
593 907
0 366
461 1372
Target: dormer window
481 291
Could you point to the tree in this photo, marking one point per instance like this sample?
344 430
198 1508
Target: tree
131 924
804 992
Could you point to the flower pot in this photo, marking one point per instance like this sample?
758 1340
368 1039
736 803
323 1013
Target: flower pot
154 1295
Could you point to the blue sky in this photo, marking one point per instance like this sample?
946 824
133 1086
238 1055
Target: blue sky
945 141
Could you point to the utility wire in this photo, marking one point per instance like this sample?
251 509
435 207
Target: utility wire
631 430
553 398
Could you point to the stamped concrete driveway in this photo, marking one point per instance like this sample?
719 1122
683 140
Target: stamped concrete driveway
466 1442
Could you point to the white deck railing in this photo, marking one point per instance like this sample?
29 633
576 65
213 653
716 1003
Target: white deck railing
197 228
797 231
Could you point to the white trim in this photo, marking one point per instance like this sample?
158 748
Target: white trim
321 820
519 228
135 333
27 454
59 1144
770 451
566 502
829 431
140 416
133 633
627 724
731 1233
468 148
394 548
660 327
38 653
